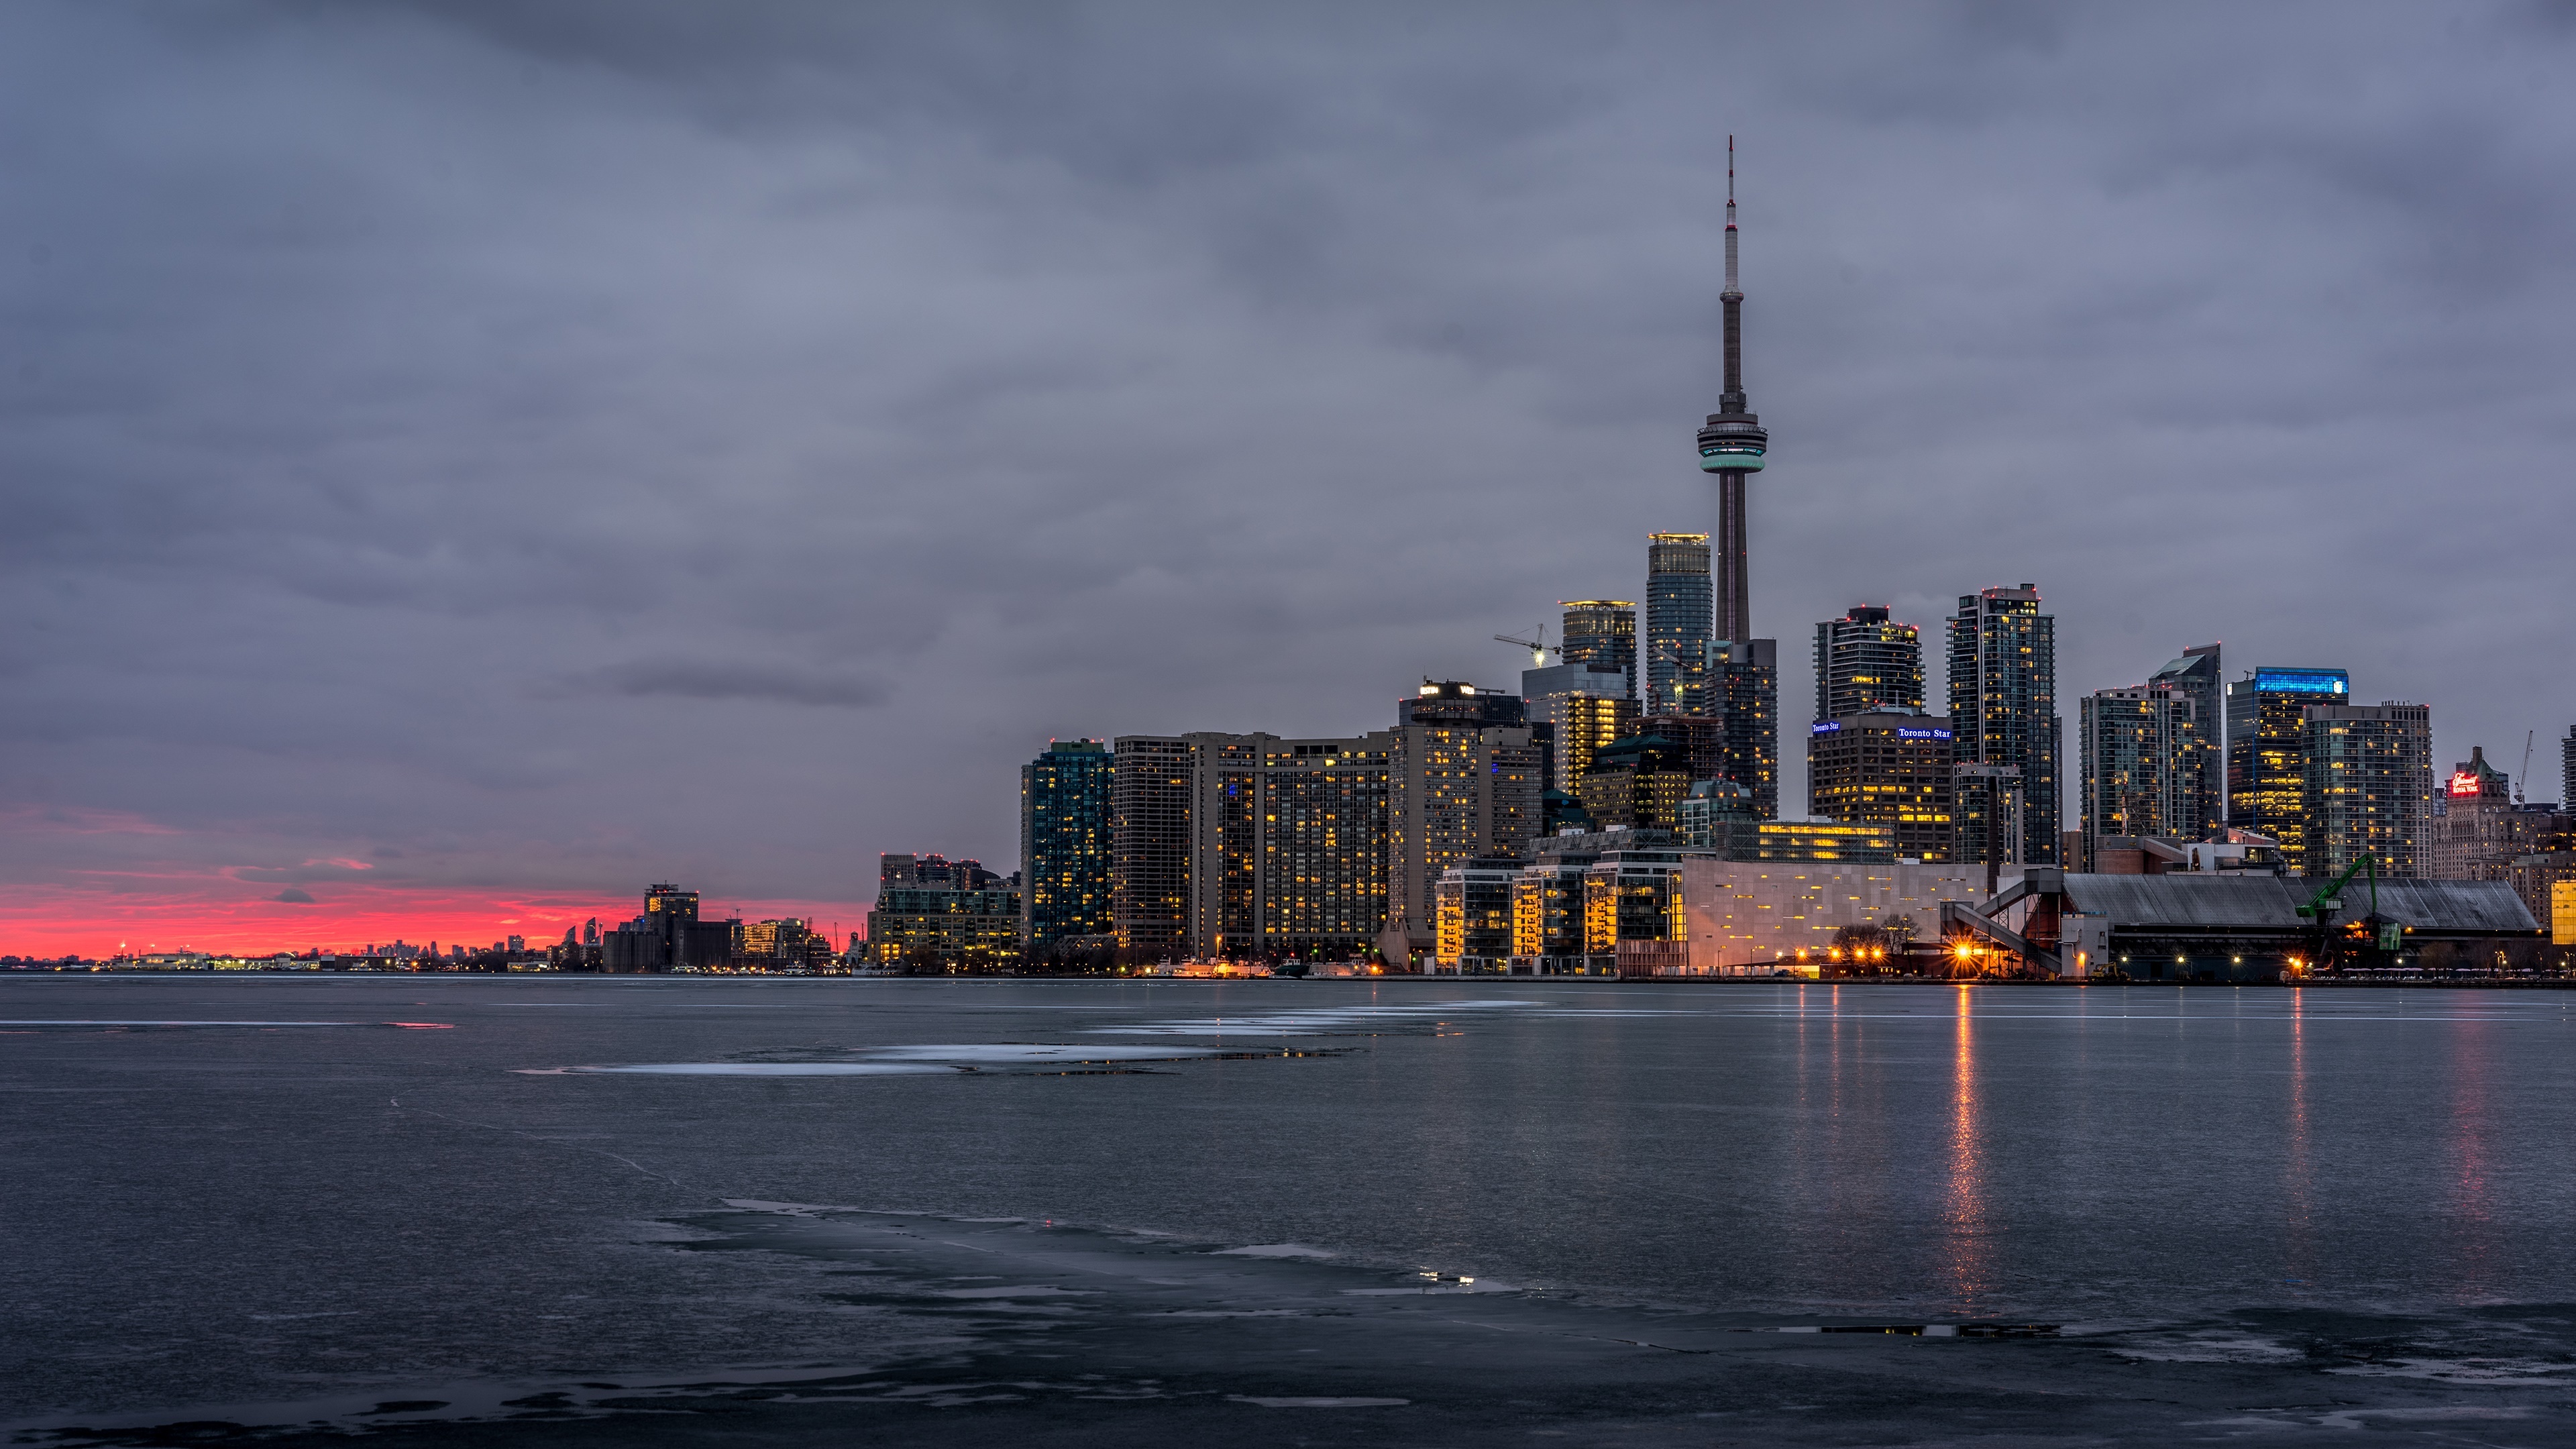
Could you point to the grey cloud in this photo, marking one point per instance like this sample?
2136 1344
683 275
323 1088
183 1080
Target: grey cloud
294 896
720 679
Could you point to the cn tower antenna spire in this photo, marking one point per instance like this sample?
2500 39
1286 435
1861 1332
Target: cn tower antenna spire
1732 447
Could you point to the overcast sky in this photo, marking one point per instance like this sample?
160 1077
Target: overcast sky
464 462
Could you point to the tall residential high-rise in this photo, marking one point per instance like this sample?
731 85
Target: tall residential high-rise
1455 791
2368 775
1677 623
2567 770
1602 632
1732 445
2197 675
2266 740
2144 761
1065 815
1742 691
1867 663
2003 712
1893 770
1239 846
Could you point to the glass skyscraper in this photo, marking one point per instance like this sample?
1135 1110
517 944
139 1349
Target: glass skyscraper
1679 618
1064 845
1602 632
2003 711
2267 741
1867 663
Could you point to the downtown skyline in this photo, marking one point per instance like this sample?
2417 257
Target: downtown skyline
740 565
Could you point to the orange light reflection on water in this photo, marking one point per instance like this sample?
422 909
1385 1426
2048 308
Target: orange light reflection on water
1965 1210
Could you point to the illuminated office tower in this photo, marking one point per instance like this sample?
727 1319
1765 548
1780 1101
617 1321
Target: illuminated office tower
2368 772
1677 623
1602 632
2145 759
1065 815
2197 675
2267 736
2003 713
1893 770
1867 663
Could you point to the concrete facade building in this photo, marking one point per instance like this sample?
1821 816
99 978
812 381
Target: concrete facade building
1755 918
2003 713
2471 830
1454 792
1888 770
2368 786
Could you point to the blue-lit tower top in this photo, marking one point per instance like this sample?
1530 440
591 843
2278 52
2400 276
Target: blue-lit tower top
1731 445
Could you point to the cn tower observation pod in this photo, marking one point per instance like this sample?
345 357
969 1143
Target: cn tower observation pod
1731 443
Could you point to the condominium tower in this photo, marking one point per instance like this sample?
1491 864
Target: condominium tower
2003 714
1677 623
2266 751
1065 816
1867 663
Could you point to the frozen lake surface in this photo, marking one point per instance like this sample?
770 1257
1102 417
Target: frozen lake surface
646 1211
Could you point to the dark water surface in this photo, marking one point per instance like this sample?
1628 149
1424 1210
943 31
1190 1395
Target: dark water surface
1364 1212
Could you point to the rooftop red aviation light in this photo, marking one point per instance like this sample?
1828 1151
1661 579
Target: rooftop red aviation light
2464 782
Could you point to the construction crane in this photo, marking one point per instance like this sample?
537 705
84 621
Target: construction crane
2520 795
1536 644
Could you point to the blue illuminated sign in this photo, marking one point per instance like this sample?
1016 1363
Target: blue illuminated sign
1824 727
2301 681
1906 734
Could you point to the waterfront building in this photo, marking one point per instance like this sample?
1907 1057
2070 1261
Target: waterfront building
1583 706
667 937
1867 663
2266 751
1229 846
790 944
1066 809
943 927
1473 918
1717 816
2145 764
1601 633
2368 786
1455 791
2197 675
1741 689
1547 900
2003 713
1678 623
1637 783
1758 918
1889 770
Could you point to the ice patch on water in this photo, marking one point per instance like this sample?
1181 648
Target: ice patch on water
1352 1403
1027 1052
2482 1372
1317 1021
1273 1250
1026 1290
2206 1346
769 1069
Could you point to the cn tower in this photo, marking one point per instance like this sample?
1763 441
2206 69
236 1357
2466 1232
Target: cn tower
1731 446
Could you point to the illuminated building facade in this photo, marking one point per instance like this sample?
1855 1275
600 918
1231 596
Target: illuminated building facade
1867 663
2267 733
2368 786
1472 934
940 929
1582 706
1715 818
2003 712
1888 770
1248 846
2197 675
1741 690
1455 791
2145 766
1677 623
1066 809
2472 825
1637 783
667 937
1602 633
